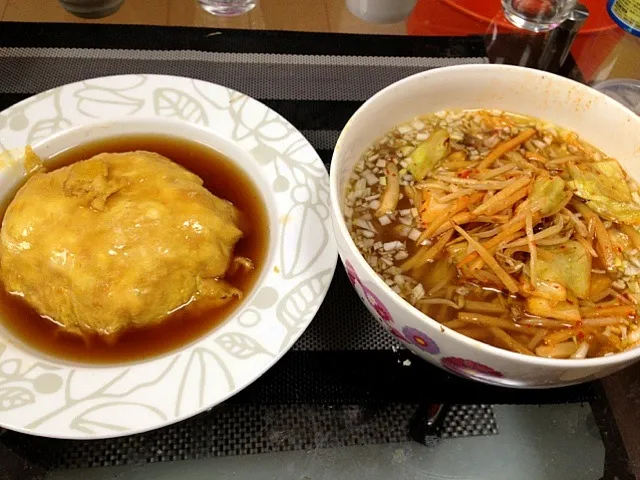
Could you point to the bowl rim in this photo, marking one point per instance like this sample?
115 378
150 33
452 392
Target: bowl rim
340 227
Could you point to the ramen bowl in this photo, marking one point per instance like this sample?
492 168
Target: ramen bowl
598 120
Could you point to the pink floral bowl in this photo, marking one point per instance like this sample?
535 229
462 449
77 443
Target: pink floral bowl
597 118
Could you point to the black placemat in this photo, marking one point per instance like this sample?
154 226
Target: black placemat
345 370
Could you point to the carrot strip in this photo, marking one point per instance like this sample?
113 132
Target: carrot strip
509 341
459 218
604 321
426 253
498 199
607 253
455 324
536 339
487 174
391 194
561 336
508 229
505 147
424 207
490 321
461 204
560 350
627 311
484 307
509 282
508 202
478 333
535 156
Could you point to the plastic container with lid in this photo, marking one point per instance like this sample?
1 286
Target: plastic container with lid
626 13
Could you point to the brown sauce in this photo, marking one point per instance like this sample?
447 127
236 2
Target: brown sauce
222 178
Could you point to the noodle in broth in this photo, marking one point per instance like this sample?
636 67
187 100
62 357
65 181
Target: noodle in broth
507 229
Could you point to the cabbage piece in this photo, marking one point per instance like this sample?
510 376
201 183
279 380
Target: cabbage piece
548 193
568 264
428 154
592 181
621 212
604 187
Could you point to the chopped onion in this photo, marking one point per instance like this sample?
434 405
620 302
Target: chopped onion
418 124
403 129
405 220
370 177
374 205
387 261
393 270
359 188
417 293
392 246
384 220
381 163
360 222
401 230
404 212
401 255
414 234
539 143
348 212
582 351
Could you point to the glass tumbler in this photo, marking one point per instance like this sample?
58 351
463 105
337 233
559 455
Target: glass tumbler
227 8
537 15
91 8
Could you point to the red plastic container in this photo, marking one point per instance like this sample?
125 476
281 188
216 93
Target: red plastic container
598 36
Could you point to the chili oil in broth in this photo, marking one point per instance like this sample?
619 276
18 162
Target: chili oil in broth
222 178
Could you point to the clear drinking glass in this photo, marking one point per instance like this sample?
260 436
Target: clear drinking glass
537 15
227 8
91 8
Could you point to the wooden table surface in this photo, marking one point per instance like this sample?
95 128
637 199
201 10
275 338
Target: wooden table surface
300 15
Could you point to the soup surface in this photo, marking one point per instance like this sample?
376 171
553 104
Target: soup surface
505 228
222 178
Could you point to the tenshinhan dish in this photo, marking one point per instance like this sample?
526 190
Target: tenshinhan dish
505 228
127 254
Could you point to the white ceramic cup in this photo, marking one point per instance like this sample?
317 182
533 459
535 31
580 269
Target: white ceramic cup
381 11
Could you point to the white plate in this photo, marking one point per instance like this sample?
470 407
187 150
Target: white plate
44 396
